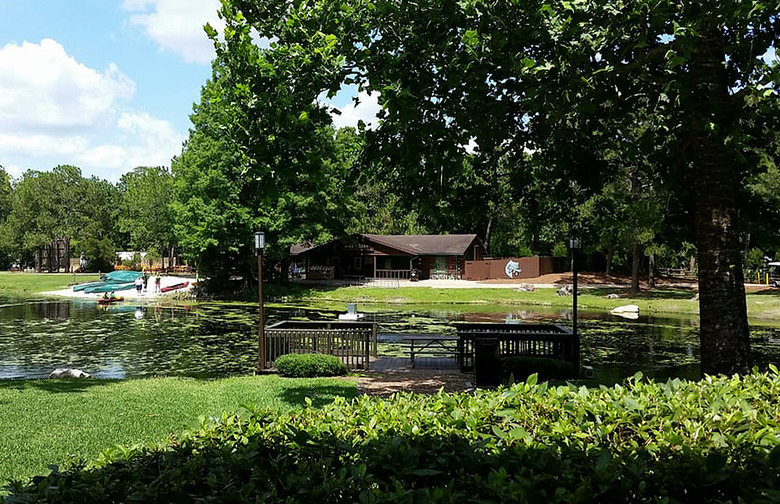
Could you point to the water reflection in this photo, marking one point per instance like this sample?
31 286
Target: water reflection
128 341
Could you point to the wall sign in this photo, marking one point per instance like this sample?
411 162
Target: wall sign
512 269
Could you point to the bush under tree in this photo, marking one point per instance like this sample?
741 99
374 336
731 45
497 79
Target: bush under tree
309 365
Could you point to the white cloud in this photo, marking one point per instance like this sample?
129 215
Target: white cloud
55 110
177 25
366 111
41 87
143 141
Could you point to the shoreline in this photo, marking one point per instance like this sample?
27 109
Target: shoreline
166 281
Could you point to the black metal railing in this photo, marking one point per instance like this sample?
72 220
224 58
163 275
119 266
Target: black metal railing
533 340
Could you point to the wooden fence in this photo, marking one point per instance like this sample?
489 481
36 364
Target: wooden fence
537 340
352 342
395 274
520 267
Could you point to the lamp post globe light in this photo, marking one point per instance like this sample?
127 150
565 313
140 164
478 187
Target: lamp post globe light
259 246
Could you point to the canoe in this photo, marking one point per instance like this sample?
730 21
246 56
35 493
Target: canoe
103 287
110 300
175 287
113 278
122 276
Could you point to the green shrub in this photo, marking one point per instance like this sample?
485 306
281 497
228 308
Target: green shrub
521 367
710 441
560 250
309 365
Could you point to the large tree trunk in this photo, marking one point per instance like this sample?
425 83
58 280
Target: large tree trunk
487 236
610 255
725 344
636 263
651 271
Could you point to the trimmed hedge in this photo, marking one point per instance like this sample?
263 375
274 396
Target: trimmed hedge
309 365
711 441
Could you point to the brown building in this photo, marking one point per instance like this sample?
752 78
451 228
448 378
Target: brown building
389 256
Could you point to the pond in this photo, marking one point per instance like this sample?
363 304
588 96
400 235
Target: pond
212 340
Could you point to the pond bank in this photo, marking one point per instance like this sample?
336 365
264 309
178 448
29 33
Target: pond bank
763 304
165 281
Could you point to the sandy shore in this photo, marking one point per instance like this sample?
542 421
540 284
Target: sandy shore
131 293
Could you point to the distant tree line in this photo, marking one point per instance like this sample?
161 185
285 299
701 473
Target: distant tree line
97 218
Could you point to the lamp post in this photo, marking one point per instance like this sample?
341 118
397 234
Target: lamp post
259 246
574 245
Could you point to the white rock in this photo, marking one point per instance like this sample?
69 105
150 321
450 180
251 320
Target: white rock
69 373
629 308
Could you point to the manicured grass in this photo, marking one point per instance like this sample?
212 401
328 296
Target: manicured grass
51 421
762 305
40 282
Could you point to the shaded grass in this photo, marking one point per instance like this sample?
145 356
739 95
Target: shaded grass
53 421
40 282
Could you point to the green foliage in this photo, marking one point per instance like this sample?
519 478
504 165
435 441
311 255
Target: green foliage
100 254
560 250
309 365
600 104
519 368
145 209
252 163
134 263
709 441
524 251
60 203
754 261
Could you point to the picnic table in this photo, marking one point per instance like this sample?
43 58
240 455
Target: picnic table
431 345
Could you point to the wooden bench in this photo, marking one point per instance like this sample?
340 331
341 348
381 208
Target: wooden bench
430 345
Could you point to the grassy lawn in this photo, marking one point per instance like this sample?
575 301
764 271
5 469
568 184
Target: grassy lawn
762 305
40 282
51 421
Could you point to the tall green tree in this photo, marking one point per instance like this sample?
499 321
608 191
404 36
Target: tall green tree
146 213
229 183
699 66
497 80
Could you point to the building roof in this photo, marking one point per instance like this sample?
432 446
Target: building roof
300 248
436 245
415 245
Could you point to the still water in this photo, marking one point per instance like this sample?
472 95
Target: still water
212 340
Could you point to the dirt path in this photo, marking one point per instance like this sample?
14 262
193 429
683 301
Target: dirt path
419 381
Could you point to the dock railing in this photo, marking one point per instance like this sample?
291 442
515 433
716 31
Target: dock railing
532 340
352 342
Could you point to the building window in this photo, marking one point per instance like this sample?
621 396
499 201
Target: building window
358 263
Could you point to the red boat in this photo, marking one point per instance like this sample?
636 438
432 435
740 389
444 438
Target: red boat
103 300
175 287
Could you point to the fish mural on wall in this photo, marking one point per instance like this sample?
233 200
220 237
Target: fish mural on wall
512 269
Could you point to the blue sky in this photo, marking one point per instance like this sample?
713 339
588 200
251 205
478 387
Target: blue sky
105 85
